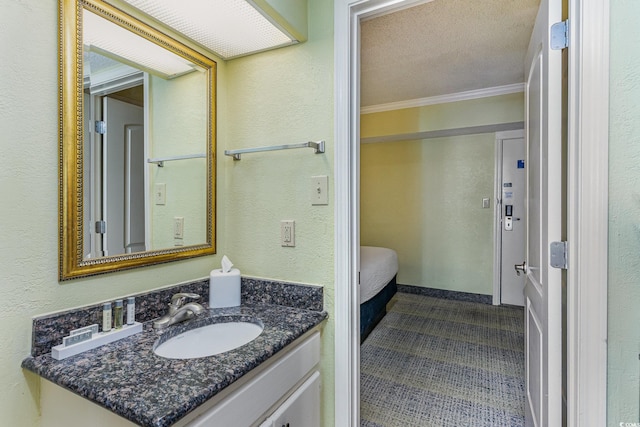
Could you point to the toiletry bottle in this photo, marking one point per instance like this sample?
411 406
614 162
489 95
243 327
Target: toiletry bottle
118 314
131 310
106 317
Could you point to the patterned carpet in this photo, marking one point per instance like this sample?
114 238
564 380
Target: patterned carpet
443 363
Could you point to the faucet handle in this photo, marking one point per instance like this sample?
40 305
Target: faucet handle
178 299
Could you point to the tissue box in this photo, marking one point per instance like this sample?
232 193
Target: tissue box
224 288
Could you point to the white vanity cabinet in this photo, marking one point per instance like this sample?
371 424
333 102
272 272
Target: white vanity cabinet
280 382
301 409
284 390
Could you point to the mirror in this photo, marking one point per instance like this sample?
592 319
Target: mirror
137 125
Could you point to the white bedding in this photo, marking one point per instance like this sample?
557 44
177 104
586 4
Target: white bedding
377 268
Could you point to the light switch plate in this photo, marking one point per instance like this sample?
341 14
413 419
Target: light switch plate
160 194
320 190
486 203
178 227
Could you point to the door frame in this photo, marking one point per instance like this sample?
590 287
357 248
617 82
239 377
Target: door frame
587 212
497 211
118 79
587 206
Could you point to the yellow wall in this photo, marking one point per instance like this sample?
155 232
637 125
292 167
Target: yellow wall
423 198
451 115
252 195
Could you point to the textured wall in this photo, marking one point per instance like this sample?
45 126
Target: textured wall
424 198
178 111
458 47
278 97
624 215
29 208
284 96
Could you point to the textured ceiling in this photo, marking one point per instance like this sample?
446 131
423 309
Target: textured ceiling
443 47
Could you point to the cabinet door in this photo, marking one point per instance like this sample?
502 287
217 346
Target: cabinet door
302 409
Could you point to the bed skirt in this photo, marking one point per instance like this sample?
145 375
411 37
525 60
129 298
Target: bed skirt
373 310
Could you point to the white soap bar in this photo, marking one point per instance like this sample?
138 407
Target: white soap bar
224 288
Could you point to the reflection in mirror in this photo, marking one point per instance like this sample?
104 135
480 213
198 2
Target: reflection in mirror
141 167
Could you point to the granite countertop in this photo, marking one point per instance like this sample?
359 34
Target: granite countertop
128 378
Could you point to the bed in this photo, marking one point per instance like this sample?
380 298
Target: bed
378 271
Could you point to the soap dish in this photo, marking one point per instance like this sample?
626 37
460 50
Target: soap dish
61 351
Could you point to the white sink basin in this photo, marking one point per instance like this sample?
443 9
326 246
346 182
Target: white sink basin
208 340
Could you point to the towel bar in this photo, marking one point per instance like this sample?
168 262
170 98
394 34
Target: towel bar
160 161
317 146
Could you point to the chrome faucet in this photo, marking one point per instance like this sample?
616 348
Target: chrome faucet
179 311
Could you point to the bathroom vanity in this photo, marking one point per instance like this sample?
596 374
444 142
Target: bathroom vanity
270 381
280 391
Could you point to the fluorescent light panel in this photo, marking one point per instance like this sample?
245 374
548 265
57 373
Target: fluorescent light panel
229 28
114 40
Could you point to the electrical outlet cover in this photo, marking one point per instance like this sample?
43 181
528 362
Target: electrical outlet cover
288 233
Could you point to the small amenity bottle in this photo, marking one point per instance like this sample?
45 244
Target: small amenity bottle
106 317
131 310
118 314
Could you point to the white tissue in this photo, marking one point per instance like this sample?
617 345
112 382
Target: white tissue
226 264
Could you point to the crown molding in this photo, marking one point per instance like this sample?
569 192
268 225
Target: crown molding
444 133
442 99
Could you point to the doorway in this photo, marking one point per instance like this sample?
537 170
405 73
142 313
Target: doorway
587 156
510 220
115 182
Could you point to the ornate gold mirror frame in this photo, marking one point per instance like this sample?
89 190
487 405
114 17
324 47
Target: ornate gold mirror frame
72 263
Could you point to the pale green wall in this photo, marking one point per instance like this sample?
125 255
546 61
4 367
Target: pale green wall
624 215
29 208
423 198
178 114
29 187
285 96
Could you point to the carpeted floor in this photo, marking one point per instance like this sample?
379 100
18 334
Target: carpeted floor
443 363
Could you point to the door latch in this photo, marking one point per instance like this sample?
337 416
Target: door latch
521 268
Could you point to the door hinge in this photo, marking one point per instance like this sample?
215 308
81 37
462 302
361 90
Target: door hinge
558 255
101 127
560 35
101 227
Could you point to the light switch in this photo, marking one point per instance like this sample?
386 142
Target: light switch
319 190
178 227
486 203
160 194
